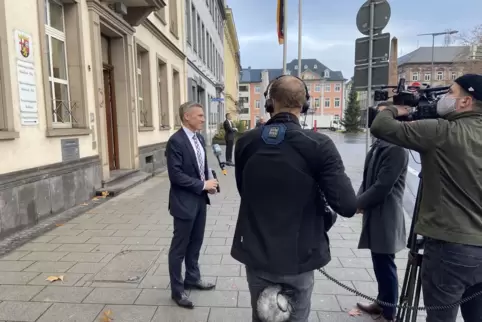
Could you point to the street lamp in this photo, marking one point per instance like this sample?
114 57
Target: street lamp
435 34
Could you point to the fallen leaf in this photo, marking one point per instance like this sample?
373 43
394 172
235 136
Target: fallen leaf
59 225
85 204
355 312
106 316
95 198
55 278
105 193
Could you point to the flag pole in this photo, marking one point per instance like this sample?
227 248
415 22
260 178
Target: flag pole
300 24
285 36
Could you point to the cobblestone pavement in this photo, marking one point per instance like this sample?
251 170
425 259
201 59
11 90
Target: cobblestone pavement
113 262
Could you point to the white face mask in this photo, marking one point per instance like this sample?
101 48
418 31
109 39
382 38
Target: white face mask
446 105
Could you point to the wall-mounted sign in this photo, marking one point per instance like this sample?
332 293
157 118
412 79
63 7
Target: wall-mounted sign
26 79
23 45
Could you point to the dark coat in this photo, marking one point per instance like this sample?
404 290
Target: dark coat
381 198
450 153
282 223
228 131
187 189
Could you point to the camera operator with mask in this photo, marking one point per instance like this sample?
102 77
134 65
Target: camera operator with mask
284 175
450 214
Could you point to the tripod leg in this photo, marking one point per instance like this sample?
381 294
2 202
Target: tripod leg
418 289
403 294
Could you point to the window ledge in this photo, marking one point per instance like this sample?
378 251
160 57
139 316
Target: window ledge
9 135
165 128
146 128
67 132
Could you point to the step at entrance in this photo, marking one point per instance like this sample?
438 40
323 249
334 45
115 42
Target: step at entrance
121 180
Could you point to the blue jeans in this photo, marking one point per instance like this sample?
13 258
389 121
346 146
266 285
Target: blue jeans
387 279
451 272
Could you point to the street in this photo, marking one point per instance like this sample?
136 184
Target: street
110 263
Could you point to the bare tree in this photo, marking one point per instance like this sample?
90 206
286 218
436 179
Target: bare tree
471 59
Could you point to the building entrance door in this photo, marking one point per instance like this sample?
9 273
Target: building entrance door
111 116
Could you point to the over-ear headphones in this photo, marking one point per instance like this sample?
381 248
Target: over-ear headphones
269 106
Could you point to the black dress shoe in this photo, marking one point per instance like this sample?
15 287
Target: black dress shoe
183 301
230 163
200 285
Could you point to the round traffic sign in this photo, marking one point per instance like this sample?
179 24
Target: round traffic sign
381 16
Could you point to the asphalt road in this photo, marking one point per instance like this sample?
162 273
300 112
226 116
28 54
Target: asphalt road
352 146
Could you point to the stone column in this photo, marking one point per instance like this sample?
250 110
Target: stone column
393 64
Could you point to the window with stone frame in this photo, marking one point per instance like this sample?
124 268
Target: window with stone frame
176 96
203 44
162 93
317 102
143 87
63 67
55 38
188 22
440 75
337 87
173 19
327 87
161 14
327 103
199 35
194 28
337 102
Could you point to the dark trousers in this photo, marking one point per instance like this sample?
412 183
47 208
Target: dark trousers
387 279
451 272
229 149
299 286
185 246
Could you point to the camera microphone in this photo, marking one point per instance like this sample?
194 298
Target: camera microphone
217 153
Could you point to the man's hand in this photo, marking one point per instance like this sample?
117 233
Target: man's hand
402 110
212 191
210 184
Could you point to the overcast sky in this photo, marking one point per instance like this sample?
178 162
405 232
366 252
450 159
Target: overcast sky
329 28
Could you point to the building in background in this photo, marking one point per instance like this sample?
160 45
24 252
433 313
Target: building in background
89 94
450 62
326 88
232 64
251 92
204 29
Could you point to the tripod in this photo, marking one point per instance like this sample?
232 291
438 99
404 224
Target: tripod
412 283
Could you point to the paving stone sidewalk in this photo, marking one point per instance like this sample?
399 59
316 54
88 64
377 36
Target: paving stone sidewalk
113 260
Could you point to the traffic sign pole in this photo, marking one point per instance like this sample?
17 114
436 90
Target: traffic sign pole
370 63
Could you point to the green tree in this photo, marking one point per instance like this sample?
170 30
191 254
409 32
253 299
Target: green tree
351 117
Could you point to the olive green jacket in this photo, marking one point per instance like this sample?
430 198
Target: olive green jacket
451 155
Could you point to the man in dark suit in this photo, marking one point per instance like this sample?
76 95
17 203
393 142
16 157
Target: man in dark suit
260 122
190 184
229 131
380 199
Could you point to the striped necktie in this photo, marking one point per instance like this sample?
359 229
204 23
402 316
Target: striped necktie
200 160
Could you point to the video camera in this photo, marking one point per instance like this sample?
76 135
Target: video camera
422 100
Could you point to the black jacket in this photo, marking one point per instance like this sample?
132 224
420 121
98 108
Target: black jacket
186 194
228 131
280 226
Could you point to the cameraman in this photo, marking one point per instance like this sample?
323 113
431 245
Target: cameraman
282 173
450 215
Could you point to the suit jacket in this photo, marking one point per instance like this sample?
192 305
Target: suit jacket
381 198
228 131
186 194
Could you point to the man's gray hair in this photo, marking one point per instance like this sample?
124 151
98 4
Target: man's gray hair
186 106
